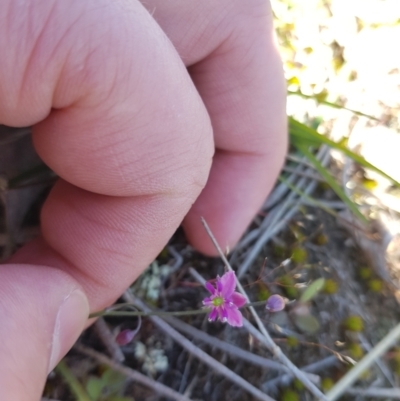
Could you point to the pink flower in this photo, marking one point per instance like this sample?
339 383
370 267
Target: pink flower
224 302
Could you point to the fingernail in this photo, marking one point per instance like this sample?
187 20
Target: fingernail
70 321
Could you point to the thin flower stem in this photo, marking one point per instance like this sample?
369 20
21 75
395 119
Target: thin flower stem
150 313
276 351
113 312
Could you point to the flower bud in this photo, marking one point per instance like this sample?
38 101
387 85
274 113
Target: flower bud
124 337
275 303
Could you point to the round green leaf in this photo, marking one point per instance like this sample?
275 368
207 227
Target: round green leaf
312 290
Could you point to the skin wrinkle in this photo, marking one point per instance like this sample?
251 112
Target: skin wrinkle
85 99
116 254
64 37
136 178
238 103
103 223
31 57
227 22
114 69
96 282
208 35
67 267
92 79
104 37
110 222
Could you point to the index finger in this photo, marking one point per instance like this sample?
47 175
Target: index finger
229 48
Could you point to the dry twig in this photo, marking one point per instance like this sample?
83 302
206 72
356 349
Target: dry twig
108 340
312 367
278 219
346 381
132 374
231 349
388 393
379 362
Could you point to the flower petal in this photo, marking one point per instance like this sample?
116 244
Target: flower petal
210 288
223 314
219 285
238 299
213 315
234 318
228 282
208 302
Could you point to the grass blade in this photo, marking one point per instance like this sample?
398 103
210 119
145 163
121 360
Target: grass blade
301 135
331 181
330 104
72 381
307 197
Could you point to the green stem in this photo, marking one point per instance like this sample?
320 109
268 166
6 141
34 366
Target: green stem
72 382
113 312
330 104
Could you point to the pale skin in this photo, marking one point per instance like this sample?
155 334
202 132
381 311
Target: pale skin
152 114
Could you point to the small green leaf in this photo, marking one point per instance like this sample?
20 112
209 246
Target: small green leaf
120 399
94 388
312 290
307 323
111 377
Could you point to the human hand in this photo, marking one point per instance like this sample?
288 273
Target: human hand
132 135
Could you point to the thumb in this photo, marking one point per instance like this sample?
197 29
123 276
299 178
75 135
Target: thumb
43 312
